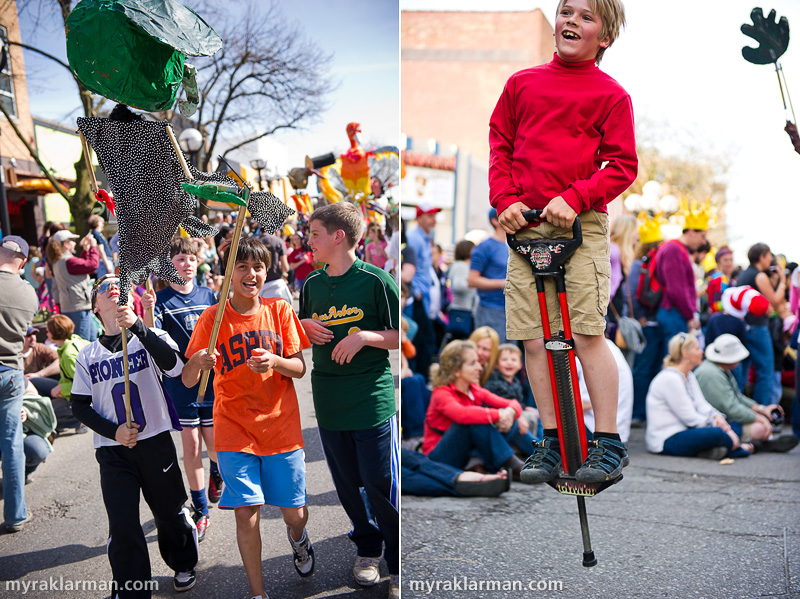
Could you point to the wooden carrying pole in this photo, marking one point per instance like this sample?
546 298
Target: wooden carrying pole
223 294
87 156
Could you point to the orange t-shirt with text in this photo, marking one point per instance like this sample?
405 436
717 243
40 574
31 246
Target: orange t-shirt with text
253 412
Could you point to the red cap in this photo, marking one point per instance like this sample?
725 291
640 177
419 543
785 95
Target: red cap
426 208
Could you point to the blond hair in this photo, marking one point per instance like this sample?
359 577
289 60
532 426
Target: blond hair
611 13
451 359
491 334
341 215
676 346
510 347
623 233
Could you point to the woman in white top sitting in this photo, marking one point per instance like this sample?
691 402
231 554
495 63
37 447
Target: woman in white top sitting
680 421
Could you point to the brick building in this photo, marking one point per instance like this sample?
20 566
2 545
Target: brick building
454 66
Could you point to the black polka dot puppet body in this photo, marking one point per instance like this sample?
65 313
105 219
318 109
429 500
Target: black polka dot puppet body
133 52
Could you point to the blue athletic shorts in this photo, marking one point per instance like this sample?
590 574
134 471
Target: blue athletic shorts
278 480
191 413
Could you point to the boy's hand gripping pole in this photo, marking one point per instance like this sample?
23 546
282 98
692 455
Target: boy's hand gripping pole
226 283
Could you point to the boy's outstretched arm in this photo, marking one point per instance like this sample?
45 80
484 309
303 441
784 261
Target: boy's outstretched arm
193 369
352 344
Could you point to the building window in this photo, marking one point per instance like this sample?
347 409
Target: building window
7 79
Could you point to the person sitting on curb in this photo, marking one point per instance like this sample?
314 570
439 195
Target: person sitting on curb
462 416
750 420
680 421
38 426
423 477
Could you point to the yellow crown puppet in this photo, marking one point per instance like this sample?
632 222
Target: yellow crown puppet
650 228
695 217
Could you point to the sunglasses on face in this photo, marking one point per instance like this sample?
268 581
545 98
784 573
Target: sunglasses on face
106 285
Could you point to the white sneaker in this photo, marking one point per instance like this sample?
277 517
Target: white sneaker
394 586
366 571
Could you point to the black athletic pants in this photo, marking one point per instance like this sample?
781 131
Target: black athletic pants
150 467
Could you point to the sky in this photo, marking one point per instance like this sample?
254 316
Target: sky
681 62
364 38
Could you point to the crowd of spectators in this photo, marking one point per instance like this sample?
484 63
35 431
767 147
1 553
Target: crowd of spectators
59 271
709 368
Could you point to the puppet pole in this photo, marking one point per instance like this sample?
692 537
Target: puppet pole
791 106
128 422
87 156
226 284
150 311
223 295
181 159
93 182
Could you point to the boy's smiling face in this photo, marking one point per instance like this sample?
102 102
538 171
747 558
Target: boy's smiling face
508 363
577 32
248 278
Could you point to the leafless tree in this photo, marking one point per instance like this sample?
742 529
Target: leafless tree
268 76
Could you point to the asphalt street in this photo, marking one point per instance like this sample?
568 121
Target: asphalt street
673 528
66 538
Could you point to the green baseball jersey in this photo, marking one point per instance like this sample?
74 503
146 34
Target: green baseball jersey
358 395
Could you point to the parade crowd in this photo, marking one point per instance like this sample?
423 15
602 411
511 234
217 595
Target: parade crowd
707 359
329 262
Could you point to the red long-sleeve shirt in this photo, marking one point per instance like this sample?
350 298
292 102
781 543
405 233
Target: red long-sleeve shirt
550 133
449 405
86 264
676 275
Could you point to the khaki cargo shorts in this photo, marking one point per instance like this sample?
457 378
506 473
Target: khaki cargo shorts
588 283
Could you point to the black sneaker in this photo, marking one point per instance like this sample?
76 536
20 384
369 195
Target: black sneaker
183 581
201 522
215 485
603 463
303 554
544 464
780 444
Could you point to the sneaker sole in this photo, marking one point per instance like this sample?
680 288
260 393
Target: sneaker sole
313 563
181 589
534 476
591 476
368 582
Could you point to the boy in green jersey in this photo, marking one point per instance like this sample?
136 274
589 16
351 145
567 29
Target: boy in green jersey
350 312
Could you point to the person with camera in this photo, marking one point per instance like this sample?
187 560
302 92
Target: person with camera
72 287
757 339
752 421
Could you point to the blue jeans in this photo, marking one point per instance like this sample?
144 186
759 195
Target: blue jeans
368 458
671 323
759 344
414 398
36 451
523 443
12 387
646 366
425 477
491 317
459 440
692 441
84 324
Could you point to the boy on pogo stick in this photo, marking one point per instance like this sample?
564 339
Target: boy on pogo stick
561 139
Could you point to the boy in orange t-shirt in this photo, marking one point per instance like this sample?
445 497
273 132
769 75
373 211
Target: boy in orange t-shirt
259 440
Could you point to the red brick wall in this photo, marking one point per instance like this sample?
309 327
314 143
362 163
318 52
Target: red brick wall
454 66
